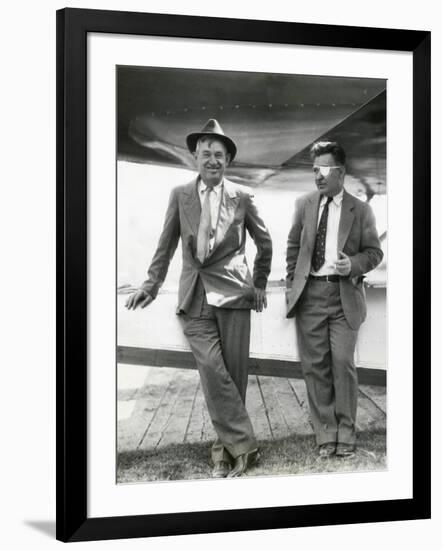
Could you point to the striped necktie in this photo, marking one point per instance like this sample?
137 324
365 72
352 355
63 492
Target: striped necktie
318 257
205 228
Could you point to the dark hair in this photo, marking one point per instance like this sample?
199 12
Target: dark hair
332 147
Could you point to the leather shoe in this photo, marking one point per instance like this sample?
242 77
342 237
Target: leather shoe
345 450
242 463
221 469
327 450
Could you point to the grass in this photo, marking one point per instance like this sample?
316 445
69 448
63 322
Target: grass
292 455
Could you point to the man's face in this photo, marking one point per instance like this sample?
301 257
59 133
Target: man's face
328 184
212 160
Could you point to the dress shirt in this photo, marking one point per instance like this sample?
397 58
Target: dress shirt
215 203
331 241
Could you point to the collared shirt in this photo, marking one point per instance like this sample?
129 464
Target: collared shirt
331 241
215 203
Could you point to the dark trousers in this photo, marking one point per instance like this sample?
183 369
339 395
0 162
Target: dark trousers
220 339
327 345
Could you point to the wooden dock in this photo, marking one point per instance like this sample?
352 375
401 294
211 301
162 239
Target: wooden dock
158 406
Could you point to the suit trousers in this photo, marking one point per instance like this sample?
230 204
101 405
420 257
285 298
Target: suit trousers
220 339
327 346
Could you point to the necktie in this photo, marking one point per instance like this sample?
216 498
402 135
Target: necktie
321 235
204 229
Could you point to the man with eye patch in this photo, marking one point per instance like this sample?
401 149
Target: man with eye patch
332 244
212 216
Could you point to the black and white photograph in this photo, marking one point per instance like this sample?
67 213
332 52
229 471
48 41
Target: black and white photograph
221 256
243 303
251 274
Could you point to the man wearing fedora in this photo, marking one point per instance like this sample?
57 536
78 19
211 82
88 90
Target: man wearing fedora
216 291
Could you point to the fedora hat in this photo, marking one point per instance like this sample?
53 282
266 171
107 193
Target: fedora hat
213 129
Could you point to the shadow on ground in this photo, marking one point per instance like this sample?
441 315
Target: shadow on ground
296 454
46 527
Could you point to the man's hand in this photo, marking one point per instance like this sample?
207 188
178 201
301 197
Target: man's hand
343 265
260 299
140 297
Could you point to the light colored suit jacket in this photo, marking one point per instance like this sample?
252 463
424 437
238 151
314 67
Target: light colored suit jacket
357 237
225 275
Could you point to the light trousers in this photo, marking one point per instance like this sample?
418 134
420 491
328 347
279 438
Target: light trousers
327 346
220 339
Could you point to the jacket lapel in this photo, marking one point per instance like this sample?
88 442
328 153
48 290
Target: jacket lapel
346 220
192 205
311 219
228 206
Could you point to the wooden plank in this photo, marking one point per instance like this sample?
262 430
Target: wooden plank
378 394
372 376
148 399
256 409
274 367
207 429
170 408
193 431
176 426
259 366
369 415
277 421
300 391
200 426
294 415
156 427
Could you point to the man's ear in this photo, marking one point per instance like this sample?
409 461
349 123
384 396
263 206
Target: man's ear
228 157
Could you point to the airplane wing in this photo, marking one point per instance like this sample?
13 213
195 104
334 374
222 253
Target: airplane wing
273 118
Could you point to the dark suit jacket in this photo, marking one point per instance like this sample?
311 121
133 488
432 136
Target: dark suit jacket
224 274
357 237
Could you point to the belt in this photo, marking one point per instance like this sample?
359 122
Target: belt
328 278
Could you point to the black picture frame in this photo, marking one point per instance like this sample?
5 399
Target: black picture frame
73 26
